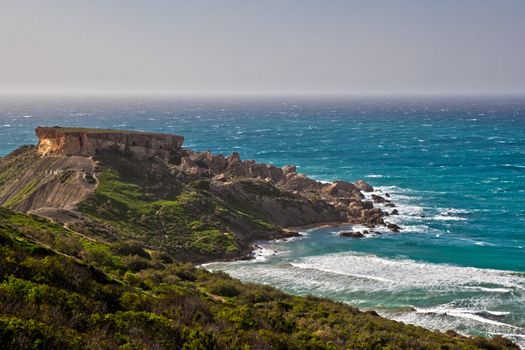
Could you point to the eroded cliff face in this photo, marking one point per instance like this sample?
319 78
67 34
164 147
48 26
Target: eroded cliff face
56 141
47 186
117 183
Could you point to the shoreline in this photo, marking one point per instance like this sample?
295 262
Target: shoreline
378 310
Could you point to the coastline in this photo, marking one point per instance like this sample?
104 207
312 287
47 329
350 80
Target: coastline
289 271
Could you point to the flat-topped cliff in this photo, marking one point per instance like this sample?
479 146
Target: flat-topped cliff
198 205
58 141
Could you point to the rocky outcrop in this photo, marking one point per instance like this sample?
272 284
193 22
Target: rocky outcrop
363 186
353 234
57 141
47 186
62 172
343 198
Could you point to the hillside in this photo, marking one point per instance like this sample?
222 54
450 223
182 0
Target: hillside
113 185
61 290
106 261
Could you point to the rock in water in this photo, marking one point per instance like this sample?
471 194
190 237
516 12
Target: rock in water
353 234
378 199
393 227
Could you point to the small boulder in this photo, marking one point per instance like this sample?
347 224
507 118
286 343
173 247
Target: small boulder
363 186
393 227
378 199
341 189
362 204
288 169
353 234
394 212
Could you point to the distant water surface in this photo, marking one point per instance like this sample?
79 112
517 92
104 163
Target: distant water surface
454 166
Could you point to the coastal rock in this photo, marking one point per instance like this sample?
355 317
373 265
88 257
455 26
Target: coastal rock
363 186
393 227
301 183
288 169
353 234
362 204
378 199
56 141
341 189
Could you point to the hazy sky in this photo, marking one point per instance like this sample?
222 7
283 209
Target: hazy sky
265 46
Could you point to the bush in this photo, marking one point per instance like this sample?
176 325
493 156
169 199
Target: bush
225 288
69 245
129 247
97 257
136 263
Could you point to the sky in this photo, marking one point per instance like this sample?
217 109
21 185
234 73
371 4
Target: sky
354 47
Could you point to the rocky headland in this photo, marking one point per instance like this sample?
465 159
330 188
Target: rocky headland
94 180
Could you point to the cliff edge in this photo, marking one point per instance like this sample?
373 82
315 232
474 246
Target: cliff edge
113 185
58 141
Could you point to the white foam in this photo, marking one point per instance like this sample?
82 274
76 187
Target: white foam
408 274
441 217
463 313
263 253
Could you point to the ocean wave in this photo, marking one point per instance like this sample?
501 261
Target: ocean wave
465 313
409 274
447 316
399 288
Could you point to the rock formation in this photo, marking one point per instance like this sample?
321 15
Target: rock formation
58 177
57 141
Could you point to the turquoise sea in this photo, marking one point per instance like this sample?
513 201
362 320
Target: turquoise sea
455 168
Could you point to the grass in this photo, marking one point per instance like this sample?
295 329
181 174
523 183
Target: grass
176 222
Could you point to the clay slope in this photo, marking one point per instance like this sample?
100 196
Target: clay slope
45 185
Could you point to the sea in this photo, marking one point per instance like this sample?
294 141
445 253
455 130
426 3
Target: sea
453 166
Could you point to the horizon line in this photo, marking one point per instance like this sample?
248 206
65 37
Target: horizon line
117 94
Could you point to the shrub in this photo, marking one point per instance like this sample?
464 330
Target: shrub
129 247
69 245
136 263
225 288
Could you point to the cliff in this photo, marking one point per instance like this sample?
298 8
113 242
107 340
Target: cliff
198 205
57 141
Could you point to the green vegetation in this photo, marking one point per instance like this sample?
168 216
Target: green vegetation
188 221
22 194
184 222
60 290
15 164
